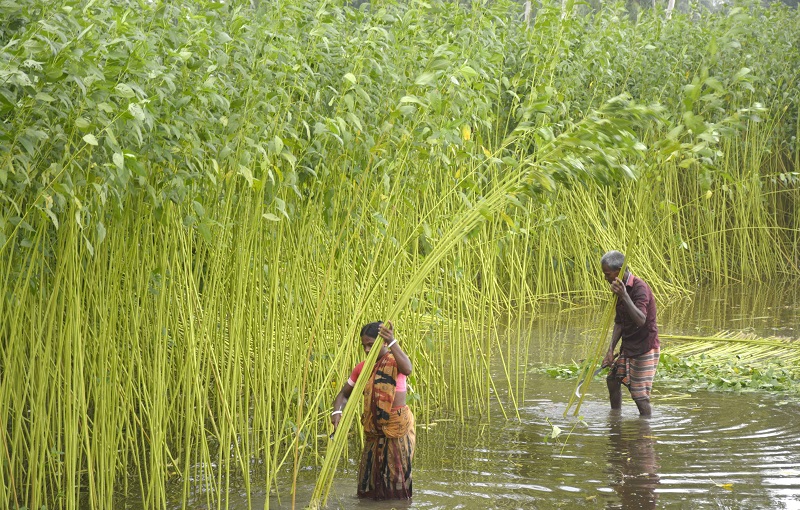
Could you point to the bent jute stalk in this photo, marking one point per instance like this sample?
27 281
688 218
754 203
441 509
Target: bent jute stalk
493 202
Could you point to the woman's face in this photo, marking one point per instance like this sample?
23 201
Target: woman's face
367 342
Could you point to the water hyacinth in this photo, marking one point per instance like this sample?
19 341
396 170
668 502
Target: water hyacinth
201 203
725 361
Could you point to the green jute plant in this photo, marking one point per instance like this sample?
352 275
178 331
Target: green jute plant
563 155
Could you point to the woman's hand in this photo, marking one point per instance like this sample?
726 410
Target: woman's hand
339 403
387 333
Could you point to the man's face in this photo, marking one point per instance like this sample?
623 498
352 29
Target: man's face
610 274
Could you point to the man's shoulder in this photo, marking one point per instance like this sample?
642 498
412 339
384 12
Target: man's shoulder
641 285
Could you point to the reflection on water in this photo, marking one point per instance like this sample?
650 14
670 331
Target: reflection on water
699 450
767 310
705 450
764 309
633 462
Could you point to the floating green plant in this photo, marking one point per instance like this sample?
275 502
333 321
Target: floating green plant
726 361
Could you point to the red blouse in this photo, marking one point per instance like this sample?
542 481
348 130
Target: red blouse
401 378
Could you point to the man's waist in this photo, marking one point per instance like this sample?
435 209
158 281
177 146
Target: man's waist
636 346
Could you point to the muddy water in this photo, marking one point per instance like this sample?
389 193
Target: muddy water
699 450
703 450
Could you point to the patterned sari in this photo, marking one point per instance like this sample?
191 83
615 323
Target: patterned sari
389 438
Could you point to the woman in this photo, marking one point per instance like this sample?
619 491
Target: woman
385 468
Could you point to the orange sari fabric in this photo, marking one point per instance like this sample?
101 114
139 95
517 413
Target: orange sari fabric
389 437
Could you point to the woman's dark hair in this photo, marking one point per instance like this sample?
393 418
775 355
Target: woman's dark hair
371 330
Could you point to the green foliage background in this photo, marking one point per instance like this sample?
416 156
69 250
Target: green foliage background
201 202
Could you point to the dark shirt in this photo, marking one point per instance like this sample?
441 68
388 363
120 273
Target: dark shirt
638 340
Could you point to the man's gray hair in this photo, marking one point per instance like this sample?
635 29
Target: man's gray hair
613 259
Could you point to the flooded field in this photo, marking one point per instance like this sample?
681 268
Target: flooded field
699 450
705 450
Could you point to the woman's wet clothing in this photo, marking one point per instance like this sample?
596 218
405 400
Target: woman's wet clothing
384 471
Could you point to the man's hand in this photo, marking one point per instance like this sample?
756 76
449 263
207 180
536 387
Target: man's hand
335 421
609 359
618 288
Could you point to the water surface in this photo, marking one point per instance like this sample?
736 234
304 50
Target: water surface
699 450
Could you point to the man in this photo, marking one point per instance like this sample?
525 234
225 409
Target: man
635 324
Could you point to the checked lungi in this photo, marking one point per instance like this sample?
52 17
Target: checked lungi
637 373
